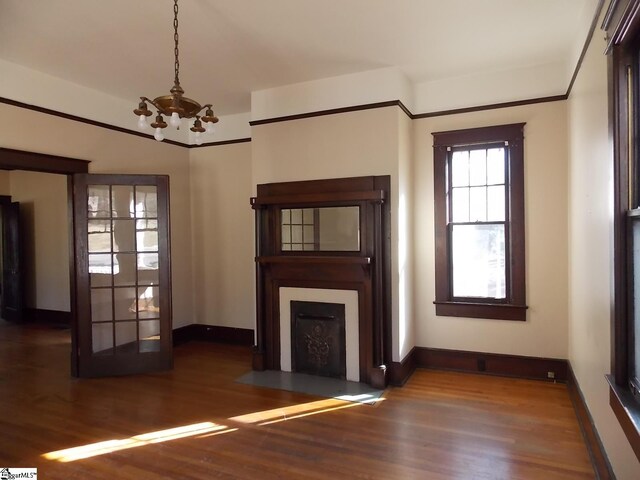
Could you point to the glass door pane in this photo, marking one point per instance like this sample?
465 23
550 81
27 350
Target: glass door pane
124 296
124 274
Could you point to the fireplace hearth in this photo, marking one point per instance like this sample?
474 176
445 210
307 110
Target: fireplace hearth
318 345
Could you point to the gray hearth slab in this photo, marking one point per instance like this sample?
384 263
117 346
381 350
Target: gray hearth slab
313 385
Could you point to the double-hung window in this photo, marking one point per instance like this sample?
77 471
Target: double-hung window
479 222
622 24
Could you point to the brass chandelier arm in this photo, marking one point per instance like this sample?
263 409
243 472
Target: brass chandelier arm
208 117
203 107
148 100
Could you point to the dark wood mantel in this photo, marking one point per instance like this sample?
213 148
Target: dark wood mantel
367 271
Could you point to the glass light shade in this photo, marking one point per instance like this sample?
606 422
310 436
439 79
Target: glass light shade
159 136
210 128
142 122
198 138
174 121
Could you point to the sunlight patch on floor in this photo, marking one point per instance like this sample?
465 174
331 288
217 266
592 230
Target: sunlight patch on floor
291 412
109 446
288 412
199 430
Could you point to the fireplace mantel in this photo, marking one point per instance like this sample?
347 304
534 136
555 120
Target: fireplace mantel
366 270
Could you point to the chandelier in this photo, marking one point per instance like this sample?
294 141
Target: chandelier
176 106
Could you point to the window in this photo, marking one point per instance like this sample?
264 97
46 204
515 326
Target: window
622 25
299 228
479 222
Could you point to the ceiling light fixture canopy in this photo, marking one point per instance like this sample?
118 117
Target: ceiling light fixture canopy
176 106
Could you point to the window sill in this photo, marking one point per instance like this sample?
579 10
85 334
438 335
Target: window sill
495 311
627 411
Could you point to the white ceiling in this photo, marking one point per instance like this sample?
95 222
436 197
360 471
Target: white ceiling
229 48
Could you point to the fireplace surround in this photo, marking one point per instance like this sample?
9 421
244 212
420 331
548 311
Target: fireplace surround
305 262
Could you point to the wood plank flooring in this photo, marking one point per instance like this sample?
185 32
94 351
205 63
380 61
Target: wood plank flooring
196 423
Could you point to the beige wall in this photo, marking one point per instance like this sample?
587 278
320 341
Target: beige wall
222 238
334 146
404 328
114 152
544 333
45 237
590 246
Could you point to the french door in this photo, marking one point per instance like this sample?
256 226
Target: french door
123 275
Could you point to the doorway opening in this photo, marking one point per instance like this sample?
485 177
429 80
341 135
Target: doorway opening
119 264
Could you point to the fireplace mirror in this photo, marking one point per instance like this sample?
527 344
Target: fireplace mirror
323 229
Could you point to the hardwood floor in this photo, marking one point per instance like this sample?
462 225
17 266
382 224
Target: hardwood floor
195 422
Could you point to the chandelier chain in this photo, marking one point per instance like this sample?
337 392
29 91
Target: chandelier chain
175 39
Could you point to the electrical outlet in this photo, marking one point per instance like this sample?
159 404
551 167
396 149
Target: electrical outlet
551 374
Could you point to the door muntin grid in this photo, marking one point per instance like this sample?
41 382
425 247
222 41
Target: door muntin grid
124 263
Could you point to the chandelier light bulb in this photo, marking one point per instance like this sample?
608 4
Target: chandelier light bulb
142 122
174 121
159 136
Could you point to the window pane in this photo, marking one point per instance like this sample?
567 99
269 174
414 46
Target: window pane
147 235
102 338
101 310
126 269
296 216
460 169
495 204
124 236
296 233
148 264
286 234
460 208
99 235
146 201
148 302
150 336
307 216
495 166
125 303
122 201
127 337
307 233
478 204
478 258
478 167
100 269
286 216
98 204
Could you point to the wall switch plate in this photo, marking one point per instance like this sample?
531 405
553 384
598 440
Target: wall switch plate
551 374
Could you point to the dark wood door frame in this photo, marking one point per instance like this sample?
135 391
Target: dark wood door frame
4 200
12 304
11 159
